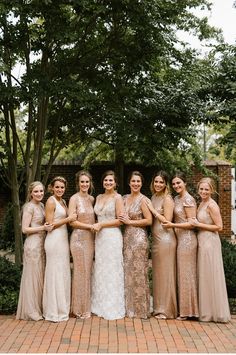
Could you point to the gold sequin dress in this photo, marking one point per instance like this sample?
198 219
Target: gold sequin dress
186 259
82 250
163 264
136 247
31 288
213 299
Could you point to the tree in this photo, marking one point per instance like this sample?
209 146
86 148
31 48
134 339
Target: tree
223 89
90 68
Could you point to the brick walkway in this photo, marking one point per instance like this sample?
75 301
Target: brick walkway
97 335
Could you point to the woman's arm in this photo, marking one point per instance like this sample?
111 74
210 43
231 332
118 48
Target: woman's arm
215 214
77 224
168 208
145 221
26 222
114 222
190 214
50 211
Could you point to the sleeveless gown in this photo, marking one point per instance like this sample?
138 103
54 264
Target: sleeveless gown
136 264
186 260
108 274
213 299
31 288
163 265
57 284
82 250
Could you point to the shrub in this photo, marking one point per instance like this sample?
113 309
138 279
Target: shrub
10 276
229 260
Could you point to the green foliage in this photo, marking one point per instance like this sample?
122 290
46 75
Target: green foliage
229 260
10 276
7 232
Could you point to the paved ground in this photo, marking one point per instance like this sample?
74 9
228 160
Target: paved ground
97 335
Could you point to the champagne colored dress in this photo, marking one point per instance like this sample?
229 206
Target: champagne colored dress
136 248
186 259
82 250
213 299
57 283
163 264
31 288
108 274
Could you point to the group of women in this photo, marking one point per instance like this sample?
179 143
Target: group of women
109 247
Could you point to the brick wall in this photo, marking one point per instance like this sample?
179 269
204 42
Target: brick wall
221 169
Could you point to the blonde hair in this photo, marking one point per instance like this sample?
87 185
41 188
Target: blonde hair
32 185
164 176
56 178
77 179
208 181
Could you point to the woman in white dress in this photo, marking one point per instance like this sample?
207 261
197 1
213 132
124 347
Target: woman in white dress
34 226
57 284
213 299
108 274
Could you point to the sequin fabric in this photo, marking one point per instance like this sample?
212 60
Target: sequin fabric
31 288
82 250
136 246
163 265
186 259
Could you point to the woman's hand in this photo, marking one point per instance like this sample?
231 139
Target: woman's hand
193 221
72 217
167 224
124 218
48 227
96 227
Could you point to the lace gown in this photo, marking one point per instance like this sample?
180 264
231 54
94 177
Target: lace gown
186 260
136 247
57 283
82 250
31 288
108 274
163 265
213 299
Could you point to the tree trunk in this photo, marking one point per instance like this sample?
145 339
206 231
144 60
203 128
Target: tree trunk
17 224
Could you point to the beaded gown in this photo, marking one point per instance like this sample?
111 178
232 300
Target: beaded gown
31 288
82 250
136 248
213 299
163 264
186 259
108 273
57 283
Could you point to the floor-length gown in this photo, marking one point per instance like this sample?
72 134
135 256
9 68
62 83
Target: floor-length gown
186 259
108 274
31 288
136 248
82 250
57 283
163 265
213 299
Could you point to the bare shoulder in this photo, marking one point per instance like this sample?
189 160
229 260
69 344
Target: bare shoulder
73 197
50 201
118 196
213 206
91 199
169 198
